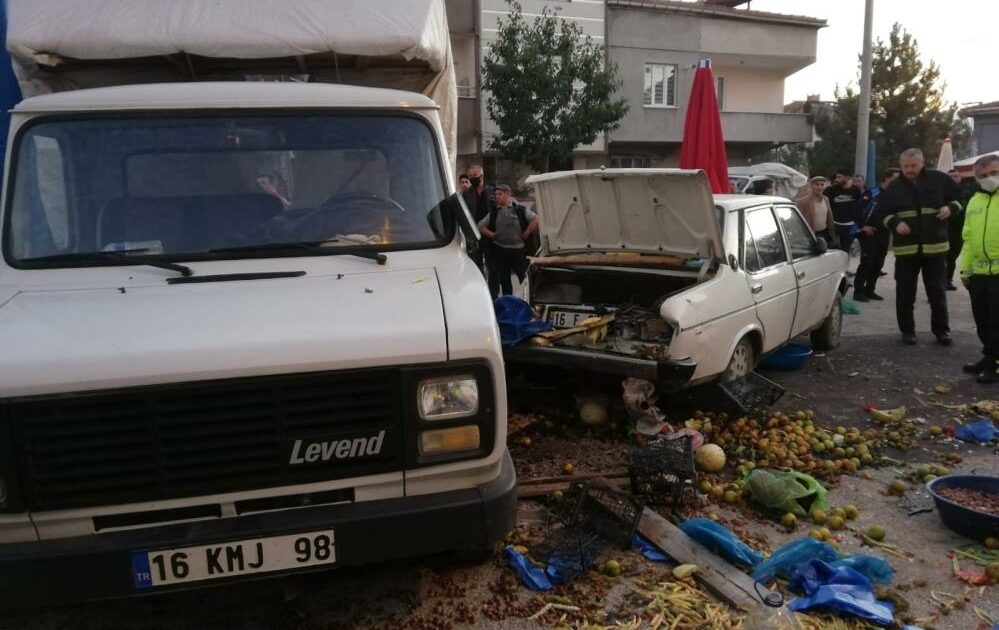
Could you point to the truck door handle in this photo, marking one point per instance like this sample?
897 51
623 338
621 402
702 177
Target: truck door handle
756 288
801 275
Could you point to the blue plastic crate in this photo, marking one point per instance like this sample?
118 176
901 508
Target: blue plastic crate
791 357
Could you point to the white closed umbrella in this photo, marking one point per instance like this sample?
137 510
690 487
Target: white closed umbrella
946 160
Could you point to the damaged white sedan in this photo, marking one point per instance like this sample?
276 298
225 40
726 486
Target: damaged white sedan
662 280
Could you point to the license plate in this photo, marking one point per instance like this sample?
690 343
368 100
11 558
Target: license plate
560 318
151 569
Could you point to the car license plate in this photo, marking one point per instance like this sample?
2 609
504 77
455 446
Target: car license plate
564 318
151 569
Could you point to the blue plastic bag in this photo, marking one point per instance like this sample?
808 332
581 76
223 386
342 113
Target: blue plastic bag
516 320
788 559
719 539
840 589
647 549
530 576
981 431
873 568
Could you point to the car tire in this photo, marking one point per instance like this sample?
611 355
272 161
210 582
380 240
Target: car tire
828 335
742 362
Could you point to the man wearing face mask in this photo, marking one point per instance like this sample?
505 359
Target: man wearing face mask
980 266
915 209
480 199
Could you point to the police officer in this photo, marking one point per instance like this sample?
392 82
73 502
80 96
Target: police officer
980 266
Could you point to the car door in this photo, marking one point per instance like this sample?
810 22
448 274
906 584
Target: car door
770 276
811 272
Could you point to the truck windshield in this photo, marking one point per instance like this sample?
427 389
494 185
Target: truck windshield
189 188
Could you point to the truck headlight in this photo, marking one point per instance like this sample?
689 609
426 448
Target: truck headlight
448 397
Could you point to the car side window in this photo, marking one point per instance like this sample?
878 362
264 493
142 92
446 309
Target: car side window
799 237
766 235
751 259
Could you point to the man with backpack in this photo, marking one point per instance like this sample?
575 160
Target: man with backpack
509 227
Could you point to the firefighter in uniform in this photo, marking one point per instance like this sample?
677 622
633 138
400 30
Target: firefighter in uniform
915 209
980 266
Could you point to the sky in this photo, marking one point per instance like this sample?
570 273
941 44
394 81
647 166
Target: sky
956 34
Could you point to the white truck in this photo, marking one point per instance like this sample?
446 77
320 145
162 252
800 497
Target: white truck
241 330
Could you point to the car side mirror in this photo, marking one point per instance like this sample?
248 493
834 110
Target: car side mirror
455 205
733 262
821 246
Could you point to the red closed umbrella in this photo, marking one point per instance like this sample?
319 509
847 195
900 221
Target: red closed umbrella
703 144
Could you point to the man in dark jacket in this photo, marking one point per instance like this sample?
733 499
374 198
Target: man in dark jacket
874 239
915 209
480 199
845 201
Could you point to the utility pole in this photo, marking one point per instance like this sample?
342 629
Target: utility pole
864 105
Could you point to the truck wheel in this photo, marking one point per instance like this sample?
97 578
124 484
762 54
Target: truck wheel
742 362
827 336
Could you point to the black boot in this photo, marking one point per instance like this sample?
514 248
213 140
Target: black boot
978 366
989 375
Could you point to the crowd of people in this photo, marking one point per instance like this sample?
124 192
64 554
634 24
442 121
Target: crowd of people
926 218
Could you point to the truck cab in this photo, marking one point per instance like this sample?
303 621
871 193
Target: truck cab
242 335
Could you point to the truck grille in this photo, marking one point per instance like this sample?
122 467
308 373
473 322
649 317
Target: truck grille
191 439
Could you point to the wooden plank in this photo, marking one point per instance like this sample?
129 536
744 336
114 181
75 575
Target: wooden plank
611 260
723 579
534 490
562 333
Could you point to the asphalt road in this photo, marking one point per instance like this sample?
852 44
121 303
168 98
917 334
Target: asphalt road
872 366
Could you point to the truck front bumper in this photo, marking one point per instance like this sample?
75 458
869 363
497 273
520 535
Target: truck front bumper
100 566
673 374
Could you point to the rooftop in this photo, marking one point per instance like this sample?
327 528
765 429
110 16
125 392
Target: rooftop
223 95
982 108
721 9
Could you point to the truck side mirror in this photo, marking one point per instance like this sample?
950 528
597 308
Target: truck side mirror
821 246
455 205
733 262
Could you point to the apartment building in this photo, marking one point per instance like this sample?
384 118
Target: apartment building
656 45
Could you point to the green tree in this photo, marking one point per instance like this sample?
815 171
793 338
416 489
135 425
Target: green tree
550 89
908 109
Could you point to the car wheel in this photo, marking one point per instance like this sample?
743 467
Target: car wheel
827 336
742 362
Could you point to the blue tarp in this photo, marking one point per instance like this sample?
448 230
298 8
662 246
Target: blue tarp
516 320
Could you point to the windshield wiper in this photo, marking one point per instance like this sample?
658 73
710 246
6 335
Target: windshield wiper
379 257
123 256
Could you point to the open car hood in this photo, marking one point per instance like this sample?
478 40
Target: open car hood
648 210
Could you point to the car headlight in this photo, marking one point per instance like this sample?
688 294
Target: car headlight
448 397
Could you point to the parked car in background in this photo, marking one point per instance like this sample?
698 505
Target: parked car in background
700 286
787 181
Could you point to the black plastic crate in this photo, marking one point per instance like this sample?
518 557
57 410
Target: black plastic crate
662 469
569 552
595 509
752 393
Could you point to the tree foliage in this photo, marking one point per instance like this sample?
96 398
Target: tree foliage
550 89
908 109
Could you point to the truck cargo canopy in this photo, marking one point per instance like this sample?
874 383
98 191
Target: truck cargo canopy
403 44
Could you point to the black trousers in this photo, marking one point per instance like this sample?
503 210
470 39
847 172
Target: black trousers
873 250
844 234
956 243
502 262
933 269
984 292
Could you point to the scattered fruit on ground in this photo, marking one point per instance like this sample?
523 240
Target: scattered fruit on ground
526 441
568 468
789 520
593 413
876 532
819 517
730 496
851 512
936 431
838 512
898 487
684 571
992 570
710 458
612 568
835 523
992 542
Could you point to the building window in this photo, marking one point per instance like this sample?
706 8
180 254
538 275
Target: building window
720 92
660 85
631 161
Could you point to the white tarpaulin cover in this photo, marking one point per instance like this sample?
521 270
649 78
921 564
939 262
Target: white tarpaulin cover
43 35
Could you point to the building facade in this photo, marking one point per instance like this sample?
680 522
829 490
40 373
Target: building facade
656 45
